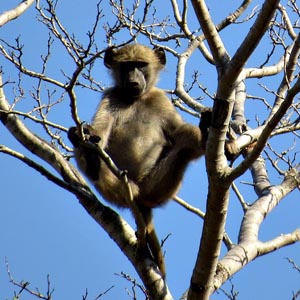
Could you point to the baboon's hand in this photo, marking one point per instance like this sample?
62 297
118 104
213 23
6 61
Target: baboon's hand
88 134
231 150
89 158
74 137
205 122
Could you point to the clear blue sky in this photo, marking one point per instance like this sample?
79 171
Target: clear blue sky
44 230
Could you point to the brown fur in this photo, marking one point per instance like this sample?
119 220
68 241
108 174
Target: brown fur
135 52
143 134
134 136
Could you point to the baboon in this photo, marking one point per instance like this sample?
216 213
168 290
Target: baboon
143 133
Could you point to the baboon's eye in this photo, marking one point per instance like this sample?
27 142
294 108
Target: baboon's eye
140 64
131 65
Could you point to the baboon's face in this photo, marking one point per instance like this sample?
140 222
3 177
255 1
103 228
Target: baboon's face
135 68
133 77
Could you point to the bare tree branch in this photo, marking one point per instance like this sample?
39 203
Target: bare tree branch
14 13
232 123
189 207
252 39
267 130
215 43
249 247
217 202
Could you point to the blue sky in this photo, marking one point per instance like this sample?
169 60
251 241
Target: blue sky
44 230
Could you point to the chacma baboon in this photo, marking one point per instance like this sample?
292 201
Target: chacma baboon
142 132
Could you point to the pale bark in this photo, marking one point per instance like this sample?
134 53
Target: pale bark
249 246
202 281
14 13
209 272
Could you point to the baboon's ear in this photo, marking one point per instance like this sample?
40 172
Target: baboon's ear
109 57
160 53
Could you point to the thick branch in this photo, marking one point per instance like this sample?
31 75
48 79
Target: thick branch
217 203
288 76
279 242
238 112
269 70
267 130
288 22
15 12
251 41
249 247
284 100
260 176
213 229
211 34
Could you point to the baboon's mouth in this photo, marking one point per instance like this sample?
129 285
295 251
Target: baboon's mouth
135 92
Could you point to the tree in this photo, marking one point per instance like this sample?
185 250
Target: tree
266 47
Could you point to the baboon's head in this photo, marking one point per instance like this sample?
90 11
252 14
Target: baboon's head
135 67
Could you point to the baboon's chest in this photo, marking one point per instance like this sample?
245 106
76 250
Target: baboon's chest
139 137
